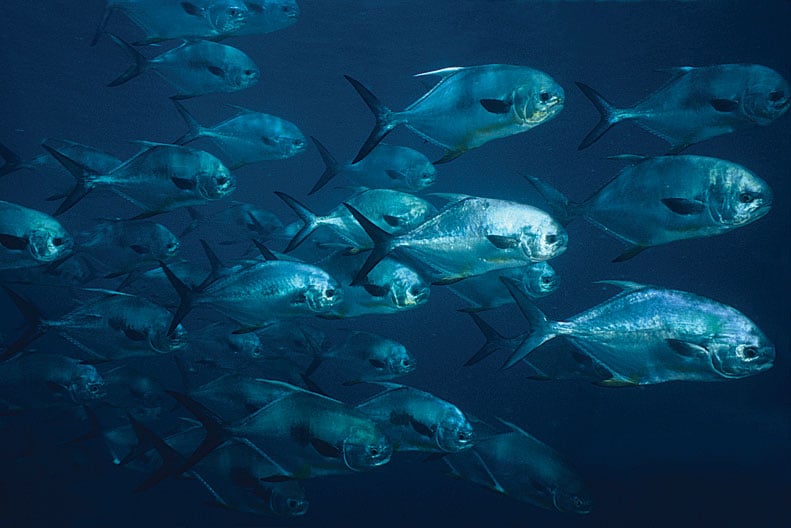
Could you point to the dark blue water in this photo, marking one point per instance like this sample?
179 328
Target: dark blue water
679 454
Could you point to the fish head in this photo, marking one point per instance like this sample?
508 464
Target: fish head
47 244
165 246
247 345
227 16
289 142
164 342
538 100
453 432
287 499
365 448
740 349
243 74
543 239
566 501
539 279
214 180
738 196
407 289
397 358
87 384
420 175
277 12
321 293
767 95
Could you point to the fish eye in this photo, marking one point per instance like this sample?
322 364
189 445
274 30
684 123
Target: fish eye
93 388
57 241
373 450
746 198
775 95
414 291
329 294
285 9
551 239
546 280
297 142
750 352
248 72
405 362
292 504
544 96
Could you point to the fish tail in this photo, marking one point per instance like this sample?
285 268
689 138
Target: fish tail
563 210
139 66
216 431
308 217
609 115
541 329
186 296
172 460
12 161
82 174
330 163
383 244
195 129
102 24
385 121
215 265
494 341
34 325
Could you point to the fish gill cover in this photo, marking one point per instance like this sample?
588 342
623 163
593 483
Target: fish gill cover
330 355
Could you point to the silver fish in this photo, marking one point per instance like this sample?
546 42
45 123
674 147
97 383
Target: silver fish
195 68
386 167
158 179
649 335
30 238
668 198
269 15
237 223
469 106
470 237
520 466
418 421
700 103
247 138
487 291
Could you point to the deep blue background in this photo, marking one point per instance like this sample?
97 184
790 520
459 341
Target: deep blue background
673 454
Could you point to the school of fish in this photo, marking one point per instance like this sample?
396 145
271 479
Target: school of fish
239 333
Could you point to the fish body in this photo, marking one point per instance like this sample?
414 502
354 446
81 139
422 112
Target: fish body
668 198
648 335
524 468
363 357
470 106
249 137
267 16
700 103
238 222
418 421
195 68
470 237
30 238
157 179
386 167
487 291
236 396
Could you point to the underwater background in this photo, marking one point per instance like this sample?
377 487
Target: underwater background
680 454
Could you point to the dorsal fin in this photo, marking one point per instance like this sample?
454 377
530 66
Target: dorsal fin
443 72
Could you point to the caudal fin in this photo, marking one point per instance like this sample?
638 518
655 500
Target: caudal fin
608 117
563 210
541 329
186 296
12 161
195 128
494 341
102 24
172 460
385 121
216 432
81 173
383 244
33 325
308 217
330 163
138 67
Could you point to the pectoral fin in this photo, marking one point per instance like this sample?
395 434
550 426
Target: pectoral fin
191 9
140 249
503 242
374 290
724 105
629 253
496 106
325 448
13 242
684 206
421 428
217 71
392 220
686 349
183 183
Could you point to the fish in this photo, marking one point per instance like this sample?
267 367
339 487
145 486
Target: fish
470 237
159 178
172 19
469 106
248 137
134 391
259 294
391 287
30 238
239 222
42 380
113 326
520 466
194 68
663 199
386 167
365 357
93 157
647 335
419 421
236 396
699 103
487 291
267 16
308 434
392 211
